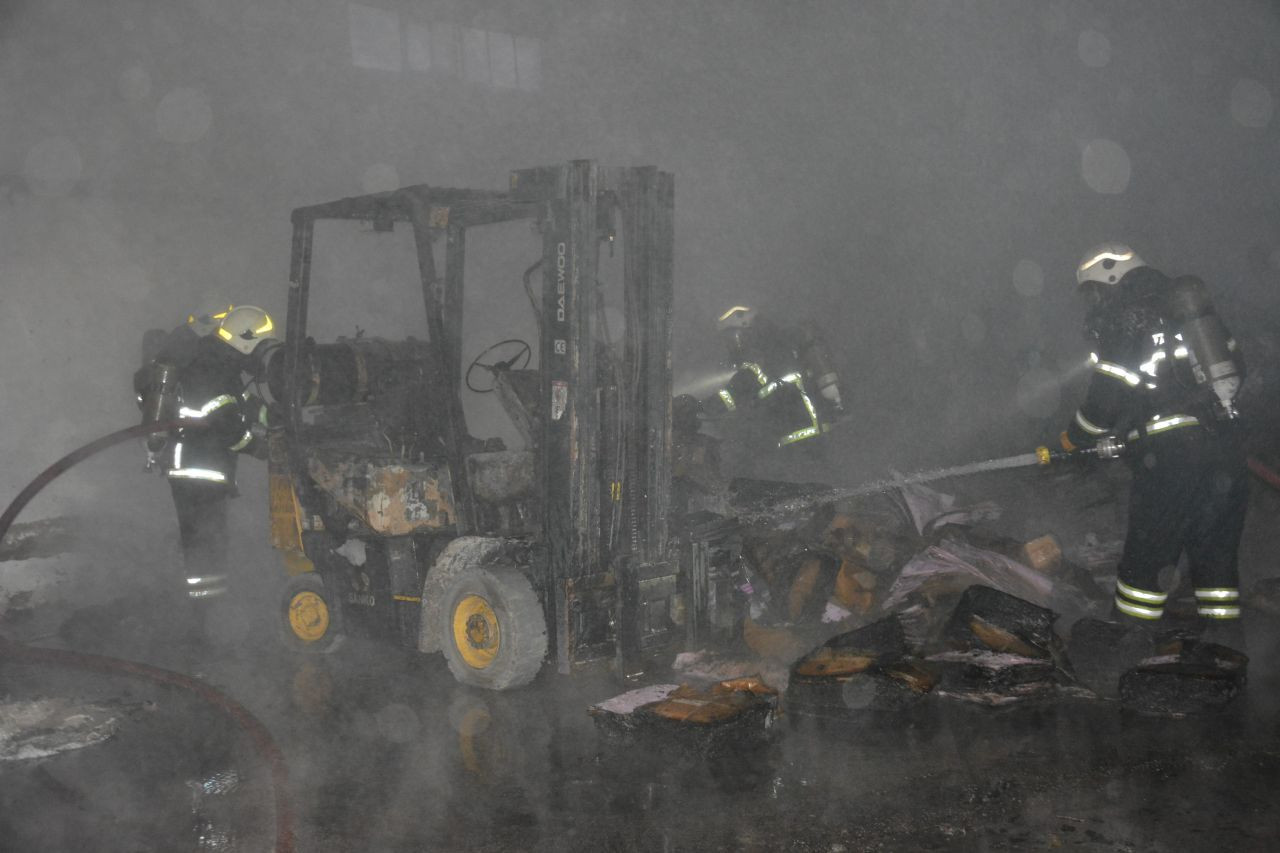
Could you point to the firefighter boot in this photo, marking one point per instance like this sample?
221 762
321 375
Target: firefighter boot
1224 632
1101 651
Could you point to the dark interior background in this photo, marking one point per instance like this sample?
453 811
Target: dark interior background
918 177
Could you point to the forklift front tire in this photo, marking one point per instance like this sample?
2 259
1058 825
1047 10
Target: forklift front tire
311 621
494 634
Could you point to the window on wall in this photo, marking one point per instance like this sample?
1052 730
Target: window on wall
528 62
381 40
475 55
375 37
502 59
445 53
417 47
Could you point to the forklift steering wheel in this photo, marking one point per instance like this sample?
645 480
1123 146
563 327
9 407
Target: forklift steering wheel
523 352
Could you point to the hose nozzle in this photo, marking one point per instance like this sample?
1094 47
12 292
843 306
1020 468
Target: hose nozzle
1045 456
1106 447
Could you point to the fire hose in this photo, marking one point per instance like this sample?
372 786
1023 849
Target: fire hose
1113 449
1105 448
241 716
1264 473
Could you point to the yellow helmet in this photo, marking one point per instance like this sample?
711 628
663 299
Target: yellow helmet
206 322
245 327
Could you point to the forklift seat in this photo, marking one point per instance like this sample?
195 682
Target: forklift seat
502 475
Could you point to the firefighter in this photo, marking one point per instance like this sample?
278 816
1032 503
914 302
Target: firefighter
1165 376
199 377
782 376
163 354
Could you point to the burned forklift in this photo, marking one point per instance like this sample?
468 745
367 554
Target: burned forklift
395 522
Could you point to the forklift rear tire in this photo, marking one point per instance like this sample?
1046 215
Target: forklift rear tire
494 634
310 619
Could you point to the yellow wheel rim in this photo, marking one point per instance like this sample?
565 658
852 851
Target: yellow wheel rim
308 616
476 634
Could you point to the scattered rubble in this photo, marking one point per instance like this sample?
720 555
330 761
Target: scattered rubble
42 727
991 620
1100 652
1043 554
951 567
880 642
873 605
1185 676
871 668
706 666
995 679
47 537
740 711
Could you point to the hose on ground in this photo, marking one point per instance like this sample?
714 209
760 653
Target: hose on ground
258 733
242 717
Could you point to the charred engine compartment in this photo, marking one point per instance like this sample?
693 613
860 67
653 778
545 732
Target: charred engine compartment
371 413
367 394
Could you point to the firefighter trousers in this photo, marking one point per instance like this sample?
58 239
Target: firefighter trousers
1189 495
202 530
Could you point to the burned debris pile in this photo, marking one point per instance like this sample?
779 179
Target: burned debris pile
868 668
896 602
703 718
995 650
1184 676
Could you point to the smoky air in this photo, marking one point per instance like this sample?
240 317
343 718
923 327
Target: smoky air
717 351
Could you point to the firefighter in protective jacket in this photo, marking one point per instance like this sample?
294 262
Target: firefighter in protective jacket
782 376
1165 376
197 375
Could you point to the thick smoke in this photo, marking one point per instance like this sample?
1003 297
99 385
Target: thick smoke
919 178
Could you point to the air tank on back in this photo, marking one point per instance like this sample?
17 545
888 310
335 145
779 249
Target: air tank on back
1215 363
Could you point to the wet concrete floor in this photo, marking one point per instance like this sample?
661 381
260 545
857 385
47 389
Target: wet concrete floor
386 753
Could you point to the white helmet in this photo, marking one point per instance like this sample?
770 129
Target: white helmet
206 322
1107 263
245 327
737 317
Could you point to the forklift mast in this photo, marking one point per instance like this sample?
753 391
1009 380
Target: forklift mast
606 446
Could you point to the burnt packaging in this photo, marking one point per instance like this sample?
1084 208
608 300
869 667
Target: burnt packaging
1101 651
893 687
1185 676
847 654
991 620
995 678
735 712
869 668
